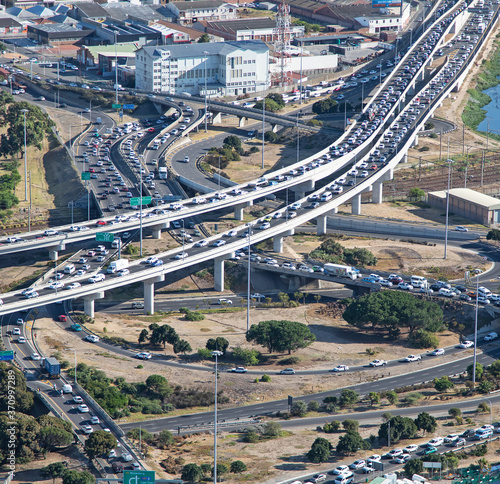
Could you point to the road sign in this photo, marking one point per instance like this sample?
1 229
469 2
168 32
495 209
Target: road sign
116 106
137 200
104 237
432 465
6 355
86 175
129 106
137 477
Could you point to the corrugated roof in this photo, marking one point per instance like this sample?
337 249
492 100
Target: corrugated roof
470 196
243 24
197 4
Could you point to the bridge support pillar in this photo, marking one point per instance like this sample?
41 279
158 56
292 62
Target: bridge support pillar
54 251
217 118
300 190
335 210
242 121
149 293
88 303
274 128
321 225
278 240
157 230
377 192
219 274
356 204
415 142
238 212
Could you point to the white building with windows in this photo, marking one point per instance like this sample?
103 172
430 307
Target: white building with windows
231 68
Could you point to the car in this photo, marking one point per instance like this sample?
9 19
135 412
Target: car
374 458
223 302
342 469
136 466
358 464
73 285
410 448
97 278
317 478
460 442
490 336
375 363
21 339
451 438
182 255
50 232
461 228
405 286
82 260
92 338
87 429
466 344
385 282
83 408
63 318
126 457
403 458
257 295
143 355
137 305
430 450
76 327
77 399
341 368
35 357
94 420
31 295
20 321
435 442
16 331
368 468
411 358
395 453
238 369
219 243
56 285
437 352
287 371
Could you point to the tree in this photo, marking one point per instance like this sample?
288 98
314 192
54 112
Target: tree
493 234
423 339
280 336
217 344
391 310
392 397
164 439
313 406
350 425
320 450
350 443
298 295
414 466
143 336
75 477
271 429
205 38
221 469
454 412
191 473
426 422
330 428
479 371
182 346
299 408
99 443
232 142
483 464
401 428
158 385
238 466
50 438
277 98
416 193
348 398
374 398
271 106
485 386
284 298
386 416
206 469
54 470
443 384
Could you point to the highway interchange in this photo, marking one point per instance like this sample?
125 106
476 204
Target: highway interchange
415 63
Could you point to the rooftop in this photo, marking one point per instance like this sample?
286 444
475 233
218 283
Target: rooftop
243 24
471 196
198 4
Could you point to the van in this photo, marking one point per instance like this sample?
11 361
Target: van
483 291
69 269
326 196
344 479
67 388
418 281
116 244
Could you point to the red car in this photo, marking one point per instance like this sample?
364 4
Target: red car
151 130
92 170
63 318
101 222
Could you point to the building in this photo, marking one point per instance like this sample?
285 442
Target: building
89 11
262 28
128 31
10 26
392 21
467 203
175 34
58 34
103 57
231 68
187 13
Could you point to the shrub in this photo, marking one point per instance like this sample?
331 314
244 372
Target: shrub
265 378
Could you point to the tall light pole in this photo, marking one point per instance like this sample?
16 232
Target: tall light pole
301 52
116 71
264 113
248 282
474 360
216 354
29 208
140 205
24 111
205 53
449 161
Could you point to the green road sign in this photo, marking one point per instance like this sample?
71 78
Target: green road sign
104 237
116 106
137 200
137 477
86 175
6 355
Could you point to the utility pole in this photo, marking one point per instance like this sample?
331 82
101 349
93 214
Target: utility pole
482 168
419 167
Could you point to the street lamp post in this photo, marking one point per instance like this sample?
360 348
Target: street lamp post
248 282
140 205
24 111
116 71
206 60
447 209
29 207
216 354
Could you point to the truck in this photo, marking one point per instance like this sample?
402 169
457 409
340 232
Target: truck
162 172
52 366
480 27
117 265
341 271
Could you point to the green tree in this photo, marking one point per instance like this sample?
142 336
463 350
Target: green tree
204 39
270 106
158 385
454 412
55 470
479 371
299 408
221 470
271 429
232 142
191 473
238 466
350 443
75 477
298 295
332 427
386 416
182 346
348 398
206 469
143 336
423 339
164 439
247 356
320 451
485 386
350 425
392 397
494 369
493 234
426 422
414 466
416 193
391 310
374 398
280 336
400 428
313 406
413 398
217 344
443 384
99 443
50 438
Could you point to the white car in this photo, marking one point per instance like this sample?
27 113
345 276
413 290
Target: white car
87 429
403 458
410 448
287 371
182 255
374 458
83 408
341 368
238 369
35 357
378 363
358 464
490 336
395 452
73 285
97 278
143 355
411 358
461 228
16 331
56 285
466 344
126 457
405 286
92 338
256 295
123 272
20 321
385 282
340 470
451 438
201 243
435 442
438 352
21 339
94 420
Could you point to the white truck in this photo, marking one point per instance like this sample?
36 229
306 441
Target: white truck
341 271
117 265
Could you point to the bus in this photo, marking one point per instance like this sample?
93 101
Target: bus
163 172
